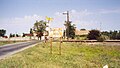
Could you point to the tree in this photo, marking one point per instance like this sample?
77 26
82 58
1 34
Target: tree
70 30
23 35
2 32
114 34
94 35
118 35
13 35
39 28
10 35
17 35
31 32
105 33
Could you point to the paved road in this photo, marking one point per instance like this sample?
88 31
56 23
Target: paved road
10 49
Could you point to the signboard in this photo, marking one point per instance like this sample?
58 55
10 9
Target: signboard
56 32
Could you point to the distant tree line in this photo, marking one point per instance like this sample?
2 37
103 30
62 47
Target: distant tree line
105 35
14 35
113 35
2 32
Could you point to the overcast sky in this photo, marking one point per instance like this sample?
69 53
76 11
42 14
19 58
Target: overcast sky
18 16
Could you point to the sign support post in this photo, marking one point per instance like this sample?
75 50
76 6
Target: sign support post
60 46
55 33
51 46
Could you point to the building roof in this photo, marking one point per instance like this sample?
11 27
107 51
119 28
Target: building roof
28 34
81 32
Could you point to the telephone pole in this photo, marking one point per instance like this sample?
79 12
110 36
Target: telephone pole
67 15
67 24
100 26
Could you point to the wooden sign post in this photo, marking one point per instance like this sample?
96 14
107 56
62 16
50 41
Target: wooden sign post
51 45
57 33
60 46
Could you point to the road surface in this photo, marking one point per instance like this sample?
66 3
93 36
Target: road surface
10 49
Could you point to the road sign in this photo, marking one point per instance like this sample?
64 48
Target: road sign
56 32
49 19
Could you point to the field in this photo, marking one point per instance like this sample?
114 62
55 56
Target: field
74 55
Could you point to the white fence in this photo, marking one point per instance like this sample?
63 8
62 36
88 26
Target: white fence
18 38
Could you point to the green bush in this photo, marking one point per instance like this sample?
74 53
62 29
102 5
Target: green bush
100 39
81 37
94 35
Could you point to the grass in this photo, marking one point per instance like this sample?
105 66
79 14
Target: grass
74 55
81 37
6 42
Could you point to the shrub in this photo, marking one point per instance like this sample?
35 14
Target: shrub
101 38
93 35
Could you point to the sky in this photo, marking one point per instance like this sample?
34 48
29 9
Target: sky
18 16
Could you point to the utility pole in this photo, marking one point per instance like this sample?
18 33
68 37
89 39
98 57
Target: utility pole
67 22
67 15
100 26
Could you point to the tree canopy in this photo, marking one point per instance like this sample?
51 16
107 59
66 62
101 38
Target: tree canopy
39 28
70 29
112 34
93 35
2 32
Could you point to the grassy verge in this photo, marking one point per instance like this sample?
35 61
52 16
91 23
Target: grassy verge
6 42
74 55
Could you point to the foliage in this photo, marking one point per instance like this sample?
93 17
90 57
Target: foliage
118 35
105 33
10 35
112 34
70 30
14 35
81 37
2 32
101 38
23 35
39 28
31 31
17 35
74 55
93 35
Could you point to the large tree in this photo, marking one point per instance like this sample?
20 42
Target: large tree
2 32
39 28
70 30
